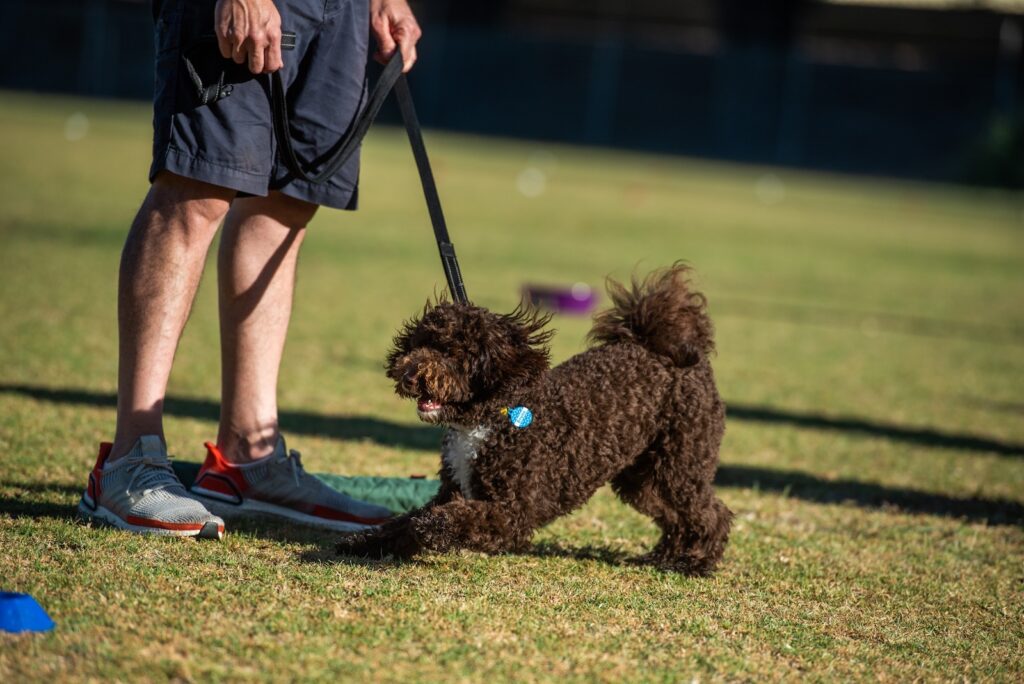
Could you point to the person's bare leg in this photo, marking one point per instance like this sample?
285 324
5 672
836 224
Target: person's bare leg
256 274
161 265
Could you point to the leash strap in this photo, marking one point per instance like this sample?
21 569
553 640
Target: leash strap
419 151
391 78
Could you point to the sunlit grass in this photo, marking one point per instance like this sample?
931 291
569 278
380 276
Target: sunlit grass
871 347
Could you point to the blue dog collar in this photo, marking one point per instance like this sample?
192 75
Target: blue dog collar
519 416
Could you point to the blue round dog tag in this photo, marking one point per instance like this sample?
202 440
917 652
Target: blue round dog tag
519 416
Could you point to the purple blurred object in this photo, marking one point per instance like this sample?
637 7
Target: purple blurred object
578 299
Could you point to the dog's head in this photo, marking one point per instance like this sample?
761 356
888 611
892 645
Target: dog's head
454 356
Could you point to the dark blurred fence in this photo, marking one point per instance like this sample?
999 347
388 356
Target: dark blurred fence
923 94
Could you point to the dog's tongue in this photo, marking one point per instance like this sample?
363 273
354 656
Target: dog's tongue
428 405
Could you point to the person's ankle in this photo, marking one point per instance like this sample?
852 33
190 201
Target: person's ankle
240 446
123 444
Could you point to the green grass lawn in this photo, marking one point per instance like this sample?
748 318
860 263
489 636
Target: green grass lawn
871 351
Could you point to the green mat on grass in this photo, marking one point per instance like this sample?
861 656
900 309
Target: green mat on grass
399 494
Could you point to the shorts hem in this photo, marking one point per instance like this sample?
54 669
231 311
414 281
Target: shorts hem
184 164
344 198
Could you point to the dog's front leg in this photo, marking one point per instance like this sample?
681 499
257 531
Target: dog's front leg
485 526
394 537
379 542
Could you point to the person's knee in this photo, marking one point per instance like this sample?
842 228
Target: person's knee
189 204
289 211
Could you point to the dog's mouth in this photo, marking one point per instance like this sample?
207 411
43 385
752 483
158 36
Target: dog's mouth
429 410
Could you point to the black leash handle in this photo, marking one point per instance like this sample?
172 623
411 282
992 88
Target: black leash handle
391 77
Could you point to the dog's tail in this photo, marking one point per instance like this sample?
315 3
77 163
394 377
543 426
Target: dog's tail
662 313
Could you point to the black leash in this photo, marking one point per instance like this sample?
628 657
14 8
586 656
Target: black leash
391 77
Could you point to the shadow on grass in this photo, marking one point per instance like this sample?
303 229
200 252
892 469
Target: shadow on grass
381 432
925 437
545 549
797 485
601 554
321 543
422 437
326 555
34 500
21 499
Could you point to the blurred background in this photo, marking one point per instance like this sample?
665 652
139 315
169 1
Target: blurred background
927 89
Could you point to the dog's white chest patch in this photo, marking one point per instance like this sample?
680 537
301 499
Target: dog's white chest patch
459 450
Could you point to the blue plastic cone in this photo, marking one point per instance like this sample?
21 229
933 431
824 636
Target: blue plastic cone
22 613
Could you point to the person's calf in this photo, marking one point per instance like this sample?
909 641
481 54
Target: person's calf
161 265
256 275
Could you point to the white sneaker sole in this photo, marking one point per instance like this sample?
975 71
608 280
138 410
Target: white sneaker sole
250 508
103 516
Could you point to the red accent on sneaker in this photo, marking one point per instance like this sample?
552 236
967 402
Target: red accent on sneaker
160 524
219 476
96 476
105 448
225 478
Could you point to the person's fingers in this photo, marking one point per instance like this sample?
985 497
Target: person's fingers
227 49
273 60
224 31
408 58
256 45
238 51
256 55
385 42
408 33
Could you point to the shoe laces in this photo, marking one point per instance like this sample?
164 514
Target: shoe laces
150 473
294 459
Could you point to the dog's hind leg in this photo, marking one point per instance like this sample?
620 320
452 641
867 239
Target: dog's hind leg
694 522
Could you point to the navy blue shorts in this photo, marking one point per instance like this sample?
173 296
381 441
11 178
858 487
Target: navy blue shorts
230 142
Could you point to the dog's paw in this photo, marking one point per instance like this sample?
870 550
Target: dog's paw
357 544
377 546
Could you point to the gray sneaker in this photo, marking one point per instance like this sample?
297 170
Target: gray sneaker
141 493
279 486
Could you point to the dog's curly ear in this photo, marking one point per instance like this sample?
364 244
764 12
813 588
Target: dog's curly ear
517 349
402 343
531 322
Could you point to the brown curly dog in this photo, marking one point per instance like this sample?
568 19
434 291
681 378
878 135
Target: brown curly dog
638 409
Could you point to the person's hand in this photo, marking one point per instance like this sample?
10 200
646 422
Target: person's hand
249 31
394 24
